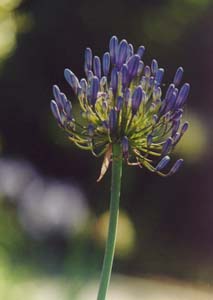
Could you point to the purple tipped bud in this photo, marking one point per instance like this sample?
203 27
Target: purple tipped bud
162 163
154 66
184 127
90 75
176 137
94 90
119 103
103 81
63 100
106 63
113 49
159 76
72 80
114 81
105 124
147 71
90 130
88 60
125 146
136 99
170 91
112 120
140 51
167 146
127 94
97 66
157 93
178 76
176 166
155 119
149 139
68 109
55 111
175 126
140 68
170 102
122 53
130 50
124 76
83 84
56 93
178 114
133 64
183 94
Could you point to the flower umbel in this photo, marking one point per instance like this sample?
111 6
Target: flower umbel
121 102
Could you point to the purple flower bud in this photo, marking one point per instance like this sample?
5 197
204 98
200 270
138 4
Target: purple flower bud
88 60
178 114
132 65
113 49
90 130
182 96
175 127
124 76
56 93
68 109
122 53
147 71
151 81
83 84
178 76
114 81
119 103
159 76
94 90
154 66
157 93
103 81
127 94
149 139
72 80
90 75
170 102
106 63
112 119
176 166
125 146
136 99
162 163
63 100
105 124
97 66
184 127
170 91
55 111
140 68
140 51
130 50
166 146
176 137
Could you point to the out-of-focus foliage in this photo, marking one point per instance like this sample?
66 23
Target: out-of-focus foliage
11 23
194 145
126 236
167 24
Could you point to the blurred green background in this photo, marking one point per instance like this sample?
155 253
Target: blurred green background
53 214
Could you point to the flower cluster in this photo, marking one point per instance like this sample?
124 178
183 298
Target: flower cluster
121 101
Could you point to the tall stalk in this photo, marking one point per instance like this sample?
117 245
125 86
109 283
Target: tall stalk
113 221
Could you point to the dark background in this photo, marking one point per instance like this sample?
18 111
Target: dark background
170 221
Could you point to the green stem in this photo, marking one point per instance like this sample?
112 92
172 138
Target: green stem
113 221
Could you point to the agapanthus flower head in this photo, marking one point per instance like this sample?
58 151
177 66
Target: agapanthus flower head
121 101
